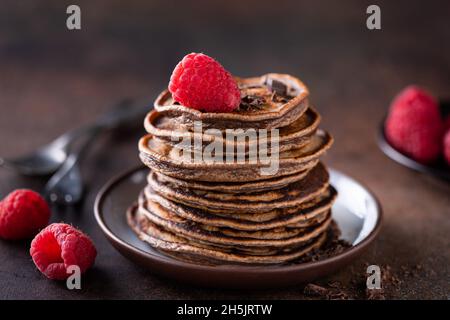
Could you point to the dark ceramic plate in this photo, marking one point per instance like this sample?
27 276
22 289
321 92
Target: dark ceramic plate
357 212
440 169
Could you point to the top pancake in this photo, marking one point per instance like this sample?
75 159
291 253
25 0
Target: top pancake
281 99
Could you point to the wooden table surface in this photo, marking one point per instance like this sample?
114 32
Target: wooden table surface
52 80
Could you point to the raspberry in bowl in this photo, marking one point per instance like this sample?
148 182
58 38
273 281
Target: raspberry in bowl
413 132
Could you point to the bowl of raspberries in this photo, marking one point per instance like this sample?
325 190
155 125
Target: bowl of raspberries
416 132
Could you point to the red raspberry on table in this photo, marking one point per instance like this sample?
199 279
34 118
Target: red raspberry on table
447 147
414 125
22 214
60 246
200 82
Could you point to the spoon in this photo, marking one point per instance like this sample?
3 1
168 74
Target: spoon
66 186
48 158
45 160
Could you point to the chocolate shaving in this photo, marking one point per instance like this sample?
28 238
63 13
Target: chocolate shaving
332 246
340 295
356 288
375 294
250 86
389 282
250 102
276 98
314 290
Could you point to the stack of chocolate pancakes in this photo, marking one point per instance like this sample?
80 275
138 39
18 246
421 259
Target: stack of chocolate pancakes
230 212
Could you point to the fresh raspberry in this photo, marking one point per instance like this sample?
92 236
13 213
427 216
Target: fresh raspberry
447 123
200 82
59 246
22 214
414 125
447 147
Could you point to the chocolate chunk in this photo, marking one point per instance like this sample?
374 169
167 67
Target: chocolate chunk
277 86
279 90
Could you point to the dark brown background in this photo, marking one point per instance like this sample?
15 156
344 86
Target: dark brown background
52 79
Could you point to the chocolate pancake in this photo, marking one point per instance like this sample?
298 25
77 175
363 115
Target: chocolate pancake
293 136
234 187
209 200
314 184
195 233
290 104
192 230
300 215
180 248
224 247
287 230
163 158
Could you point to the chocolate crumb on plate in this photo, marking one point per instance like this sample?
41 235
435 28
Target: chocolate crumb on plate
332 246
375 294
314 290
